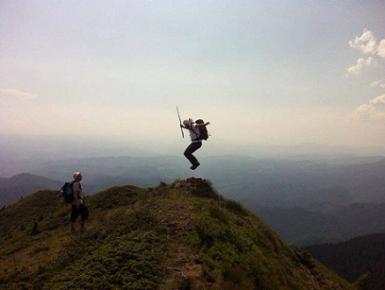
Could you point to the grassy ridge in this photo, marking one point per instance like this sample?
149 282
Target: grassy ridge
178 236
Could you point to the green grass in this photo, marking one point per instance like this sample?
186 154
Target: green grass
178 236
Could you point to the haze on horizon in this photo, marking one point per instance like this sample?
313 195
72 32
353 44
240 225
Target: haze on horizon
262 72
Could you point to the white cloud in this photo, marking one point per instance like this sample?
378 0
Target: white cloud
15 93
375 84
381 49
373 110
367 43
378 84
361 63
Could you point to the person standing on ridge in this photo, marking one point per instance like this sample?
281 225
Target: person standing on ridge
198 132
78 206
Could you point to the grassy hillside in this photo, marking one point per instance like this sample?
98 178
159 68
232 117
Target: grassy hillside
178 236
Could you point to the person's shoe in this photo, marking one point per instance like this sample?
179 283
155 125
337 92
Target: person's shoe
195 166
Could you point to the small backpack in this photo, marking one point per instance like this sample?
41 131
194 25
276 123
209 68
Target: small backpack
68 192
203 133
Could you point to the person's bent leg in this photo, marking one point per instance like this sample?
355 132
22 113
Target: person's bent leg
188 153
196 164
74 216
83 214
190 150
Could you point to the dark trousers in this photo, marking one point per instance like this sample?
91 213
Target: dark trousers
82 210
190 150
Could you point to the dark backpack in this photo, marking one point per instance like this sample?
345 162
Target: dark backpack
203 133
68 192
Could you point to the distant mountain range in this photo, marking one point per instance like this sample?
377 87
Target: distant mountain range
18 186
305 227
305 201
263 182
360 258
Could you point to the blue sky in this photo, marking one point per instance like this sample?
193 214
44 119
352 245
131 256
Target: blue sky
263 72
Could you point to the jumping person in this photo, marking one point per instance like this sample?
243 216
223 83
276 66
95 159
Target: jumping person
78 206
198 132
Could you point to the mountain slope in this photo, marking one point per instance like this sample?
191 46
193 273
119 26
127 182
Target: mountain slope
15 187
360 257
178 236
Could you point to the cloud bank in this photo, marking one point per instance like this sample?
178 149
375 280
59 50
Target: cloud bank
370 47
373 110
367 43
378 84
361 63
15 93
381 49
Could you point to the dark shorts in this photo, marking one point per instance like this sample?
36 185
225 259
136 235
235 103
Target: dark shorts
82 210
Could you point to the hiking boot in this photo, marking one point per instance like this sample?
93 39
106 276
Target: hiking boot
195 166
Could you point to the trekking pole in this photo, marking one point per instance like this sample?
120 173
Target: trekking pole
180 121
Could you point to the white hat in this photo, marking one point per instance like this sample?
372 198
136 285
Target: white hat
188 122
76 174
